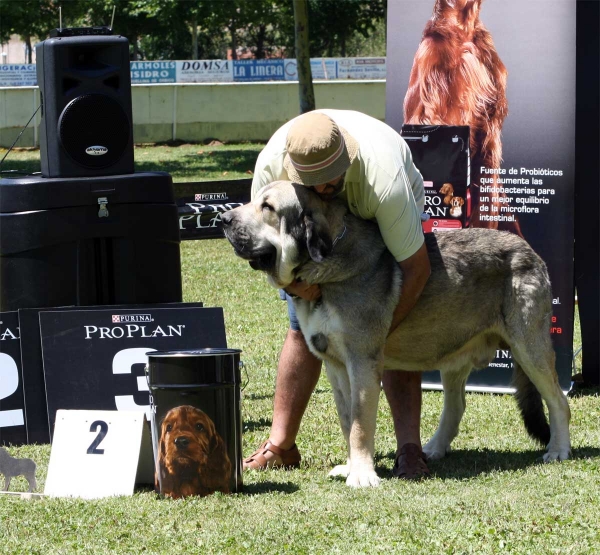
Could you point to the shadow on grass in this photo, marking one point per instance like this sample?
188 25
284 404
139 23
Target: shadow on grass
19 168
258 396
253 425
194 164
211 163
247 489
470 463
269 487
584 390
263 396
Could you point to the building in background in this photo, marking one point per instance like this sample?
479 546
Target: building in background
14 51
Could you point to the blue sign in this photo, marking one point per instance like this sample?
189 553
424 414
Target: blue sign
17 75
258 70
152 72
320 68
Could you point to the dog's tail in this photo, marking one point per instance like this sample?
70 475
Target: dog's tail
530 404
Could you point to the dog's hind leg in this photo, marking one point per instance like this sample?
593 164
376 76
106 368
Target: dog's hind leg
7 480
535 364
340 384
454 407
527 312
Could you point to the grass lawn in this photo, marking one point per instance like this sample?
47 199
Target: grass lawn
489 496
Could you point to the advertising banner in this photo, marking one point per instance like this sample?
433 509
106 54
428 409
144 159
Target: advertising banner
12 403
514 86
258 70
205 71
321 68
17 75
200 205
31 363
361 68
153 72
222 71
94 359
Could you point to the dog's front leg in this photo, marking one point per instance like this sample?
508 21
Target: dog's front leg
365 380
340 384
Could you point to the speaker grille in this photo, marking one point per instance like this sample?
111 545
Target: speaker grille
94 120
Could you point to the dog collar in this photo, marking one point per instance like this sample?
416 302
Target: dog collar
339 237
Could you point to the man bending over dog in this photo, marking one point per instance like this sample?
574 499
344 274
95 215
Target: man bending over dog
347 154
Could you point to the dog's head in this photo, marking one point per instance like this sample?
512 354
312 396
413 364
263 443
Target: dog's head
281 229
447 189
456 207
465 12
457 202
187 438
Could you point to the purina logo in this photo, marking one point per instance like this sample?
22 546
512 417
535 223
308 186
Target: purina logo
96 150
200 197
122 318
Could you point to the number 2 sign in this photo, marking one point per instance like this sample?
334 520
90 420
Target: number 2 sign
94 453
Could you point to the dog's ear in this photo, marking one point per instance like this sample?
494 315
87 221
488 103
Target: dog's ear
217 473
162 448
318 238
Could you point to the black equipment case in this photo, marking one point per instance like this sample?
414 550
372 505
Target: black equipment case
88 241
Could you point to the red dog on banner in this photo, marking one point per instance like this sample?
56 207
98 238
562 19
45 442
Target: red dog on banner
458 78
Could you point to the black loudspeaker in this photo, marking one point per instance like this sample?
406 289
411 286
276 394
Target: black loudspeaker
87 126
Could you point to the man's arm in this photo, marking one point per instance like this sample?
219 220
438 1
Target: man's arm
416 271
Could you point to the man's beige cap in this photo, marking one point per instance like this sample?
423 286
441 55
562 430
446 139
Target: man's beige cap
318 150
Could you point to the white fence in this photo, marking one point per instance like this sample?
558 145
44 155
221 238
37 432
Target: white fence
198 111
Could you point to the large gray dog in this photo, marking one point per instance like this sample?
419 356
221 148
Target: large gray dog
487 289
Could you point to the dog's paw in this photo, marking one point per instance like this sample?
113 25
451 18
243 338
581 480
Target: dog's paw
556 455
434 452
342 470
363 479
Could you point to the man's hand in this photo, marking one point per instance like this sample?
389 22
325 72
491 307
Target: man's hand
303 290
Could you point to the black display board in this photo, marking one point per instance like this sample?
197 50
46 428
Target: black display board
33 376
94 359
30 362
12 412
200 205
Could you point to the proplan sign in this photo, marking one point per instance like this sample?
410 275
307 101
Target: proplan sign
95 359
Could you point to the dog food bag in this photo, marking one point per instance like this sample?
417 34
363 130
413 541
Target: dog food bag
441 153
196 421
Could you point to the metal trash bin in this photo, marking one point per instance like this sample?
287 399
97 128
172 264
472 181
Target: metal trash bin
196 421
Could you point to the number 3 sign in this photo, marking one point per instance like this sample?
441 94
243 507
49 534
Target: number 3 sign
94 453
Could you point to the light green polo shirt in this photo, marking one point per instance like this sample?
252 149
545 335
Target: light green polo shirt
382 184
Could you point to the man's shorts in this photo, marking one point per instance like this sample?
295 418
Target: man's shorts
294 325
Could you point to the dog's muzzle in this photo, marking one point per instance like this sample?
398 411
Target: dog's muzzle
263 261
182 442
260 258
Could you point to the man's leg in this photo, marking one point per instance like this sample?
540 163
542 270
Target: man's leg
403 392
297 376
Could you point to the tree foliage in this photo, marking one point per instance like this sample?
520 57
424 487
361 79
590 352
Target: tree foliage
334 23
28 19
208 29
